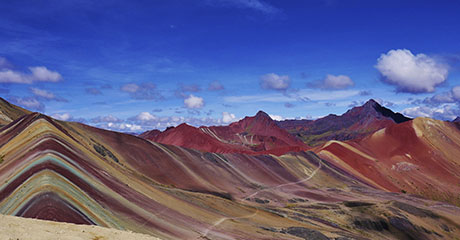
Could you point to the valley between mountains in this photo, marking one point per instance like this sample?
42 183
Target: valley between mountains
367 174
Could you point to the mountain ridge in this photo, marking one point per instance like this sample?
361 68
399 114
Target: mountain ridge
258 134
355 123
10 112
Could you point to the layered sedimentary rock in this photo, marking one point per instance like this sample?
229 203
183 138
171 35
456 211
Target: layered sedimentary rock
418 156
70 172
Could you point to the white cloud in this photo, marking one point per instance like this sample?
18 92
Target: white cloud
9 76
42 74
145 117
30 103
276 117
38 74
63 116
123 127
443 112
419 111
275 82
456 92
194 102
334 82
144 91
43 93
445 97
411 73
106 119
228 117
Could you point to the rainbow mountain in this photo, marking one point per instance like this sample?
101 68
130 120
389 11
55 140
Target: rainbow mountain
398 182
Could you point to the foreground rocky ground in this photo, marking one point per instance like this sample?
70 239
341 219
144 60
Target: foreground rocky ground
33 229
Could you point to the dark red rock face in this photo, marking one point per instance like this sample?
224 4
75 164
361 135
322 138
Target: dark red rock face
252 135
50 206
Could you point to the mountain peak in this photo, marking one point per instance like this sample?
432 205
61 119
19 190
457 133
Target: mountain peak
371 102
456 120
262 114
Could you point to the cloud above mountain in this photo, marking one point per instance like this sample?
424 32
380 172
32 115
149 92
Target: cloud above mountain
46 95
228 117
411 73
143 91
193 102
333 82
274 81
35 74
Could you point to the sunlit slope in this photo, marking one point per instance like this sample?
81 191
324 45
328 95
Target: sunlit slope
420 156
70 172
10 112
58 171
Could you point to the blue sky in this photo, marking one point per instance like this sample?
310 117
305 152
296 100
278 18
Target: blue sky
137 65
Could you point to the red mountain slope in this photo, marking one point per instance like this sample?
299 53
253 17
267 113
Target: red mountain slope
150 134
253 135
418 156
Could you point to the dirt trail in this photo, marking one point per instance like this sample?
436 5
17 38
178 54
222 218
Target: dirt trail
218 222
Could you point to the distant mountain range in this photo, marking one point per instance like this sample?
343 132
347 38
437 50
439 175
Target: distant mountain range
261 135
357 122
258 134
253 179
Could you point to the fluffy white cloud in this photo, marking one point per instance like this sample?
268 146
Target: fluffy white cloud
276 117
411 73
145 117
62 116
194 102
443 112
42 74
10 76
228 117
124 127
275 82
446 97
38 74
333 82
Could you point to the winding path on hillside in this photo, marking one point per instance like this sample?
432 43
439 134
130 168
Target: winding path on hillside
220 221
